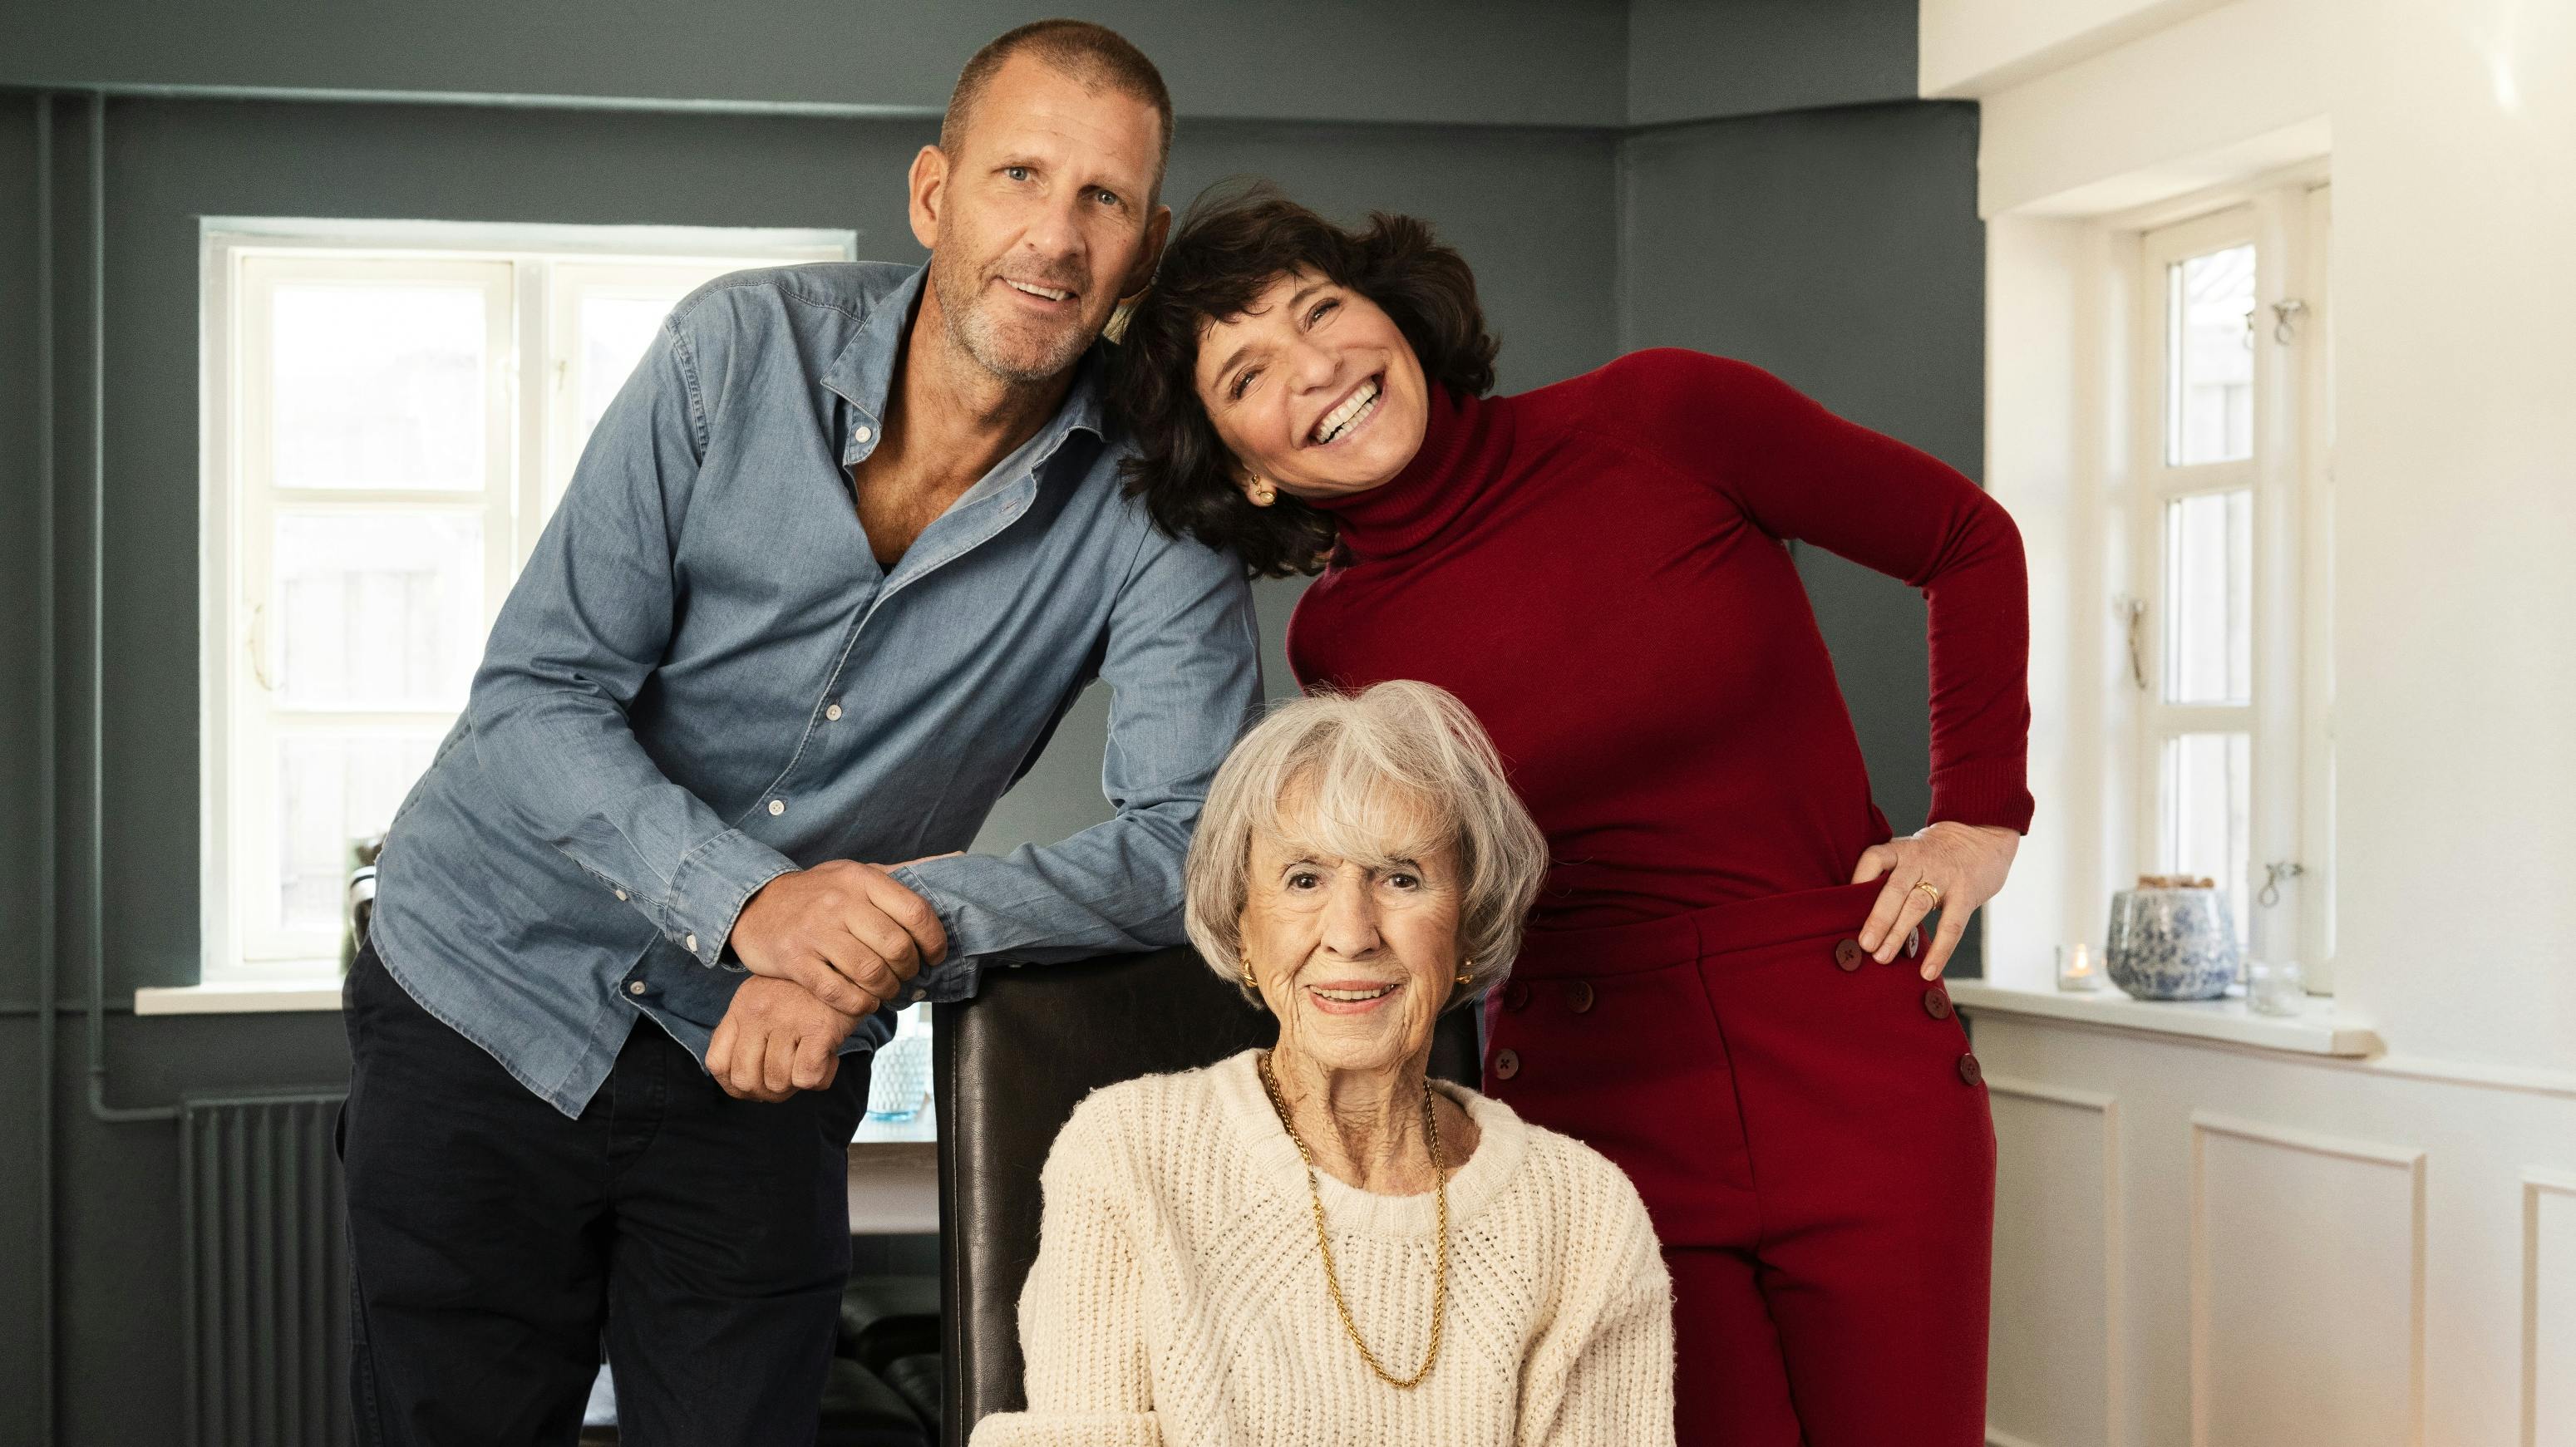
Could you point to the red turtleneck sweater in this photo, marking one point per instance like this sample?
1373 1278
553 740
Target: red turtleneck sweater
1597 568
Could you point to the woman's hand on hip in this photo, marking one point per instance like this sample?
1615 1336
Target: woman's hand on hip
1957 867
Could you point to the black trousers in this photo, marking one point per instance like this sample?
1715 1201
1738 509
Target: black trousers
495 1244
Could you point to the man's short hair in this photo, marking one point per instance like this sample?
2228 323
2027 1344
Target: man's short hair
1095 55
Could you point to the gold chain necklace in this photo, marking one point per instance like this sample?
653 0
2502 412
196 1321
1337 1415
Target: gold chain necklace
1323 1243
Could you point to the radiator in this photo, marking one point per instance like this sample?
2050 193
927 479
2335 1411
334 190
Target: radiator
266 1275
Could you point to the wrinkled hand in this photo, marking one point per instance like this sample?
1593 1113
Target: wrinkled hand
849 933
776 1040
1966 862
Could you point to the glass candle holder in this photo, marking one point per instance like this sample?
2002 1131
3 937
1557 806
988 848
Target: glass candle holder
2275 987
2078 968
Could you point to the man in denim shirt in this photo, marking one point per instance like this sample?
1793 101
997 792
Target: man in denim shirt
836 562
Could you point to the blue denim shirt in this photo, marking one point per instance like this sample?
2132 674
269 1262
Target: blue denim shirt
703 680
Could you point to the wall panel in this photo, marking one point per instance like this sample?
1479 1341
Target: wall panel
2549 1310
2307 1289
2055 1357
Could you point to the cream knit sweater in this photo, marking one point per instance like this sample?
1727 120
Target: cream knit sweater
1178 1299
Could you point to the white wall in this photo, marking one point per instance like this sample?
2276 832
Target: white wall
1976 47
2237 89
2455 390
2293 1251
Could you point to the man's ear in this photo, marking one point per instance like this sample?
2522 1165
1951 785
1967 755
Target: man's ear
1150 258
928 188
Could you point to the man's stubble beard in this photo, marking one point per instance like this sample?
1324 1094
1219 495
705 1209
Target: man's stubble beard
972 328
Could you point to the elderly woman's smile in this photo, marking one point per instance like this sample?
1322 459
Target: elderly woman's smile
1341 998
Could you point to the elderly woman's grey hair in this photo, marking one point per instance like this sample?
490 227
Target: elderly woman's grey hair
1372 778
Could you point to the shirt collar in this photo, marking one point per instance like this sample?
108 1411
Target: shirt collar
863 374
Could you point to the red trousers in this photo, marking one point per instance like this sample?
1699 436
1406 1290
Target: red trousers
1811 1135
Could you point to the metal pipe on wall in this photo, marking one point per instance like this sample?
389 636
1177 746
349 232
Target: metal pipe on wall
94 882
46 703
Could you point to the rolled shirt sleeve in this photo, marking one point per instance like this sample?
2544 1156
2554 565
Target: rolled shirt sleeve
1182 660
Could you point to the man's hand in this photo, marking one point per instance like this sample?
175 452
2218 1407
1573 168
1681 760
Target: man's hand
776 1040
849 933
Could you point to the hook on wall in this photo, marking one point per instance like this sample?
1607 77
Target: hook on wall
2132 612
2285 318
2273 874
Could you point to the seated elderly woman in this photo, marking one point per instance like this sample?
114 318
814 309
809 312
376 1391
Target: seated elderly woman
1316 1244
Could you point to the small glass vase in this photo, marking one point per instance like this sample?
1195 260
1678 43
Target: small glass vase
2275 987
899 1083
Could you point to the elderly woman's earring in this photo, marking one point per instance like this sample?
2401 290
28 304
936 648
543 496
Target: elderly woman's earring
1262 493
1249 982
1466 974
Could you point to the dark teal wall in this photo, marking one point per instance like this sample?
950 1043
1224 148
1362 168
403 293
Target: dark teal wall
1545 62
1694 60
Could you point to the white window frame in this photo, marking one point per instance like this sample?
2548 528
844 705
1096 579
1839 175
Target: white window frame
532 277
2290 716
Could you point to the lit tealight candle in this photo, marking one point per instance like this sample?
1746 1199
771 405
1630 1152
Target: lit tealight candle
2075 968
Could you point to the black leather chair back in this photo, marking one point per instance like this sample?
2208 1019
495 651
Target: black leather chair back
1011 1066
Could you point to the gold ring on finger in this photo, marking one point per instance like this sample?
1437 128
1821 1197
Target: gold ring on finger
1928 887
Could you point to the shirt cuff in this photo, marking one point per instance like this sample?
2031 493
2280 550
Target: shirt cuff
958 973
709 888
1990 794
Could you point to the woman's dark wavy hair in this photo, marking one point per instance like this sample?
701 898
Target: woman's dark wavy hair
1234 242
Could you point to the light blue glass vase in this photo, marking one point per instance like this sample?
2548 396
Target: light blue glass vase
899 1082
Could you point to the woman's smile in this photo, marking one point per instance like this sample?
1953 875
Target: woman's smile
1352 997
1355 410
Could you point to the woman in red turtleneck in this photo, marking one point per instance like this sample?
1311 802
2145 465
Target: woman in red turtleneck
1724 988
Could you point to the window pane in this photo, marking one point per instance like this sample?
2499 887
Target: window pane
377 609
379 386
2209 344
2207 812
334 789
616 327
2209 598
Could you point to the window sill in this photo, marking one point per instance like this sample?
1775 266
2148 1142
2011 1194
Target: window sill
2320 1029
247 997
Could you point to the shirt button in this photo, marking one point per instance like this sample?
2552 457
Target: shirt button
621 894
861 433
1969 1070
638 988
777 807
1936 1003
1579 997
1849 954
1516 995
1507 1063
833 713
918 995
692 943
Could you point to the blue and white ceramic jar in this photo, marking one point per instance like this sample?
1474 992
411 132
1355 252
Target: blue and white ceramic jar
2171 941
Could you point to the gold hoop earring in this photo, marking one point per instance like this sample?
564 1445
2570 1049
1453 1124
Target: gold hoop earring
1249 982
1466 974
